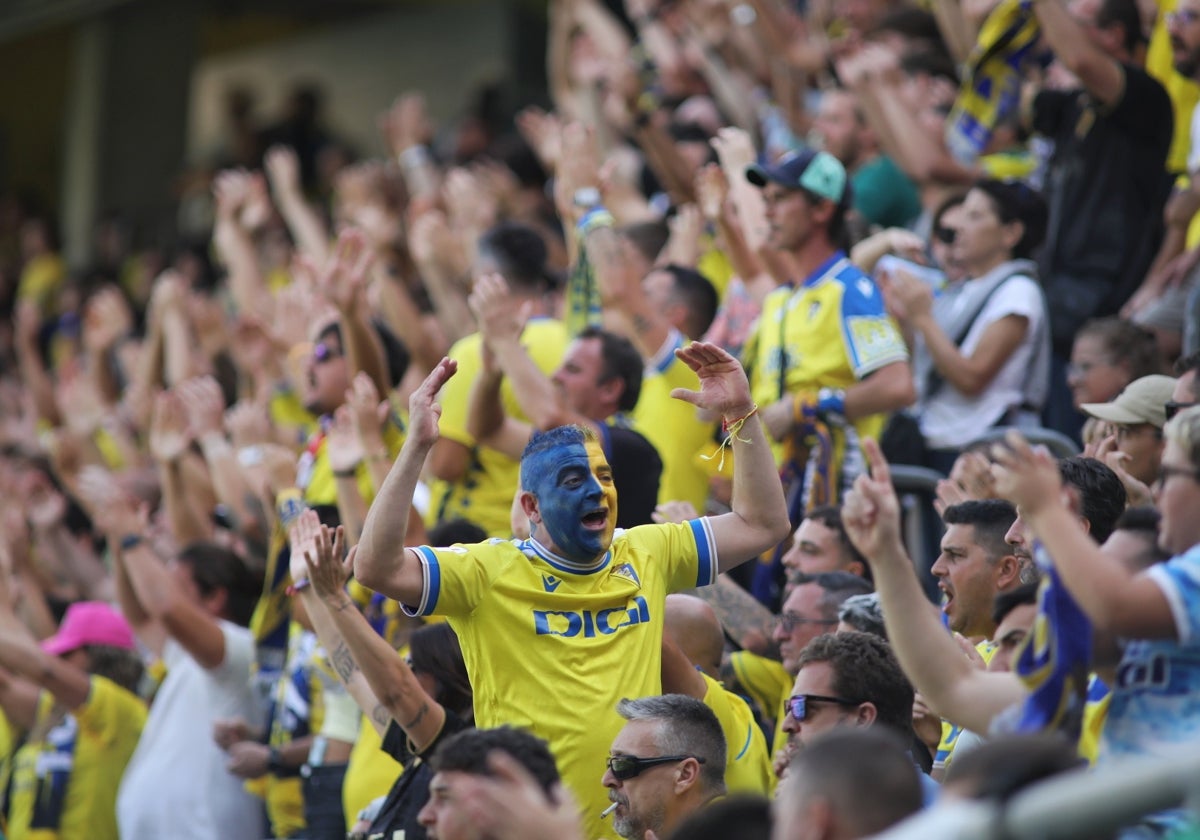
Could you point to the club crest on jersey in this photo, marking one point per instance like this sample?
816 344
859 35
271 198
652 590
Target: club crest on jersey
550 582
628 572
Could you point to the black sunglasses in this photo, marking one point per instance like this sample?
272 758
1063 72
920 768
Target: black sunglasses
1172 408
945 235
797 705
625 767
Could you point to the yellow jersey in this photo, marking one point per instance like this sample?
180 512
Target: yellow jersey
484 494
950 732
551 646
1184 92
747 762
829 331
314 475
674 426
65 776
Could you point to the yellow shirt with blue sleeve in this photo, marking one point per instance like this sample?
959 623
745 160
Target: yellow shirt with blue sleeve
65 776
747 761
830 331
769 685
484 494
673 426
551 646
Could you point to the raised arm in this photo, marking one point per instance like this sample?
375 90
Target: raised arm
927 653
759 519
500 324
304 223
234 191
169 439
343 283
21 655
487 421
148 589
1101 74
1117 601
381 562
354 646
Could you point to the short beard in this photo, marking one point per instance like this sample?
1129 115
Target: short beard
1190 64
632 828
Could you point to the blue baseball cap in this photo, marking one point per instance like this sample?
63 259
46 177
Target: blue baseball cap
820 173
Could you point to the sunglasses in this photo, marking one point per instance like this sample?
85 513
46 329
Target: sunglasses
945 235
323 353
797 705
625 767
1182 17
1172 408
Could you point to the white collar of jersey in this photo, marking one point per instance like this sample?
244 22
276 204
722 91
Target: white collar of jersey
830 268
562 564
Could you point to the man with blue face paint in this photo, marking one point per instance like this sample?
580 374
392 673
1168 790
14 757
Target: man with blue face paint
557 628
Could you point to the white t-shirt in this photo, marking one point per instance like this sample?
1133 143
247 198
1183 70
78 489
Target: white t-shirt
1193 161
951 420
176 784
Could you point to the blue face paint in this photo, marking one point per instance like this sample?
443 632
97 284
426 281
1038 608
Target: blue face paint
576 499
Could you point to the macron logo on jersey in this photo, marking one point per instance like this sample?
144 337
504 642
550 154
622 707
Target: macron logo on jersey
866 287
550 582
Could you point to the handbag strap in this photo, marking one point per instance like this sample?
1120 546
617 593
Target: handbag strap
935 380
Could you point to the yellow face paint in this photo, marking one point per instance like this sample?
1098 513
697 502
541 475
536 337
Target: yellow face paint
602 472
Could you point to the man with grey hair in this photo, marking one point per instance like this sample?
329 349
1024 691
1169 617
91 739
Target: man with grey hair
862 614
666 763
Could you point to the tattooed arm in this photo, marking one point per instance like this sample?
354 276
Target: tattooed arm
375 675
744 619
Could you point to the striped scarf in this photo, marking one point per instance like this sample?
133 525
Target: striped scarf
991 89
581 297
1054 661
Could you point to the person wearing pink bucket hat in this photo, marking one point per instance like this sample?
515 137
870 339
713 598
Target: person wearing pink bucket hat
74 696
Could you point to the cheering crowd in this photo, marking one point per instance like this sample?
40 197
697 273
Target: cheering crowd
538 479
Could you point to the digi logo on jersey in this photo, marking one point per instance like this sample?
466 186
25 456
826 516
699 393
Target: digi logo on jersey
589 624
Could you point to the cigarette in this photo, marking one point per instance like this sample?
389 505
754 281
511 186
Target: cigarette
608 810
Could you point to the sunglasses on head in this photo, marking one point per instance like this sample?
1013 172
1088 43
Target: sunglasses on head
626 767
797 705
1172 408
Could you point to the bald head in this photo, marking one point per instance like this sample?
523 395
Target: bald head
695 628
